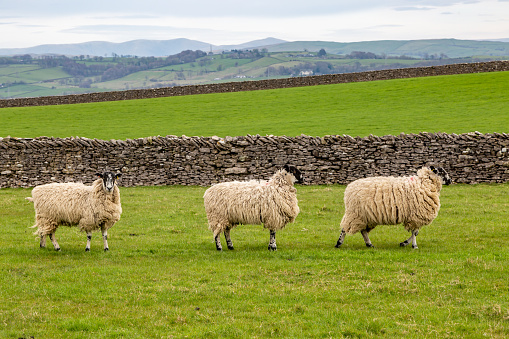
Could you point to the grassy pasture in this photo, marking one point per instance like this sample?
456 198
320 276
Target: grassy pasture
15 69
163 277
30 74
453 104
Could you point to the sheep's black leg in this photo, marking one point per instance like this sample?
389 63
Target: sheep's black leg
43 241
366 238
218 242
272 241
412 238
89 239
414 242
406 242
105 239
54 241
228 239
341 238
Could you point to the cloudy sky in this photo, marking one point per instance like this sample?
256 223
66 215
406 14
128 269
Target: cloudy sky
26 23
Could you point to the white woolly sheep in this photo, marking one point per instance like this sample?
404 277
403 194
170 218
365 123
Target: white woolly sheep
74 204
272 203
412 201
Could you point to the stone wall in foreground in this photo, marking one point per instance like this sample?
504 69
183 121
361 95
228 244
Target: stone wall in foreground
400 73
172 160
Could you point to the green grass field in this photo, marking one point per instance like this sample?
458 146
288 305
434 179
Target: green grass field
163 278
453 104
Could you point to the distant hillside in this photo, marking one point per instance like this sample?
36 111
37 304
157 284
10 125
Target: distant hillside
141 48
34 76
451 48
103 48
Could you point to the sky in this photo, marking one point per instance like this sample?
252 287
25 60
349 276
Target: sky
27 23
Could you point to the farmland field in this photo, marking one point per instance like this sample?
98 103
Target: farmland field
59 76
452 104
163 277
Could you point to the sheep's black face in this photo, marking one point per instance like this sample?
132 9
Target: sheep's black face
446 179
294 171
109 180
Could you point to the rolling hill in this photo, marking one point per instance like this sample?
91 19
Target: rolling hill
419 48
453 48
141 48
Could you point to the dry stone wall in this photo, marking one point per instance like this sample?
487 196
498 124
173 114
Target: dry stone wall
172 160
478 67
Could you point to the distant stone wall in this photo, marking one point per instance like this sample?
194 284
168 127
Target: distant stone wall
492 66
171 160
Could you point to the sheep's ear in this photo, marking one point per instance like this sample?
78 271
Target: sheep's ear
433 169
286 168
99 175
118 175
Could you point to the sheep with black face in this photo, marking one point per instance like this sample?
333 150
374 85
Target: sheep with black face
75 204
272 203
412 201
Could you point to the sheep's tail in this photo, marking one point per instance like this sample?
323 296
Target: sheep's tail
32 200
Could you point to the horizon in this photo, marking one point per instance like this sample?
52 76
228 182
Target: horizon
251 41
162 48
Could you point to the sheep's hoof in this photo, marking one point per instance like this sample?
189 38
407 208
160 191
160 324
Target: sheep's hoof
338 245
230 247
87 249
106 249
219 248
57 249
415 247
403 244
272 248
370 245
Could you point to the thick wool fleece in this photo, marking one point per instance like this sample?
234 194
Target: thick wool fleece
272 203
413 201
74 204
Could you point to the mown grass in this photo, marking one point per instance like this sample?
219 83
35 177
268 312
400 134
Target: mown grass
163 277
459 104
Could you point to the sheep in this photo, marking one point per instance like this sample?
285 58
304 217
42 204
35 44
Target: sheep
75 204
272 203
412 201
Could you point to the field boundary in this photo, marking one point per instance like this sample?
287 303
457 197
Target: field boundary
401 73
335 159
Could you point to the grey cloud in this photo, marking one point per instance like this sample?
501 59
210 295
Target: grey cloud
206 8
202 8
95 29
135 29
402 9
363 30
129 17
